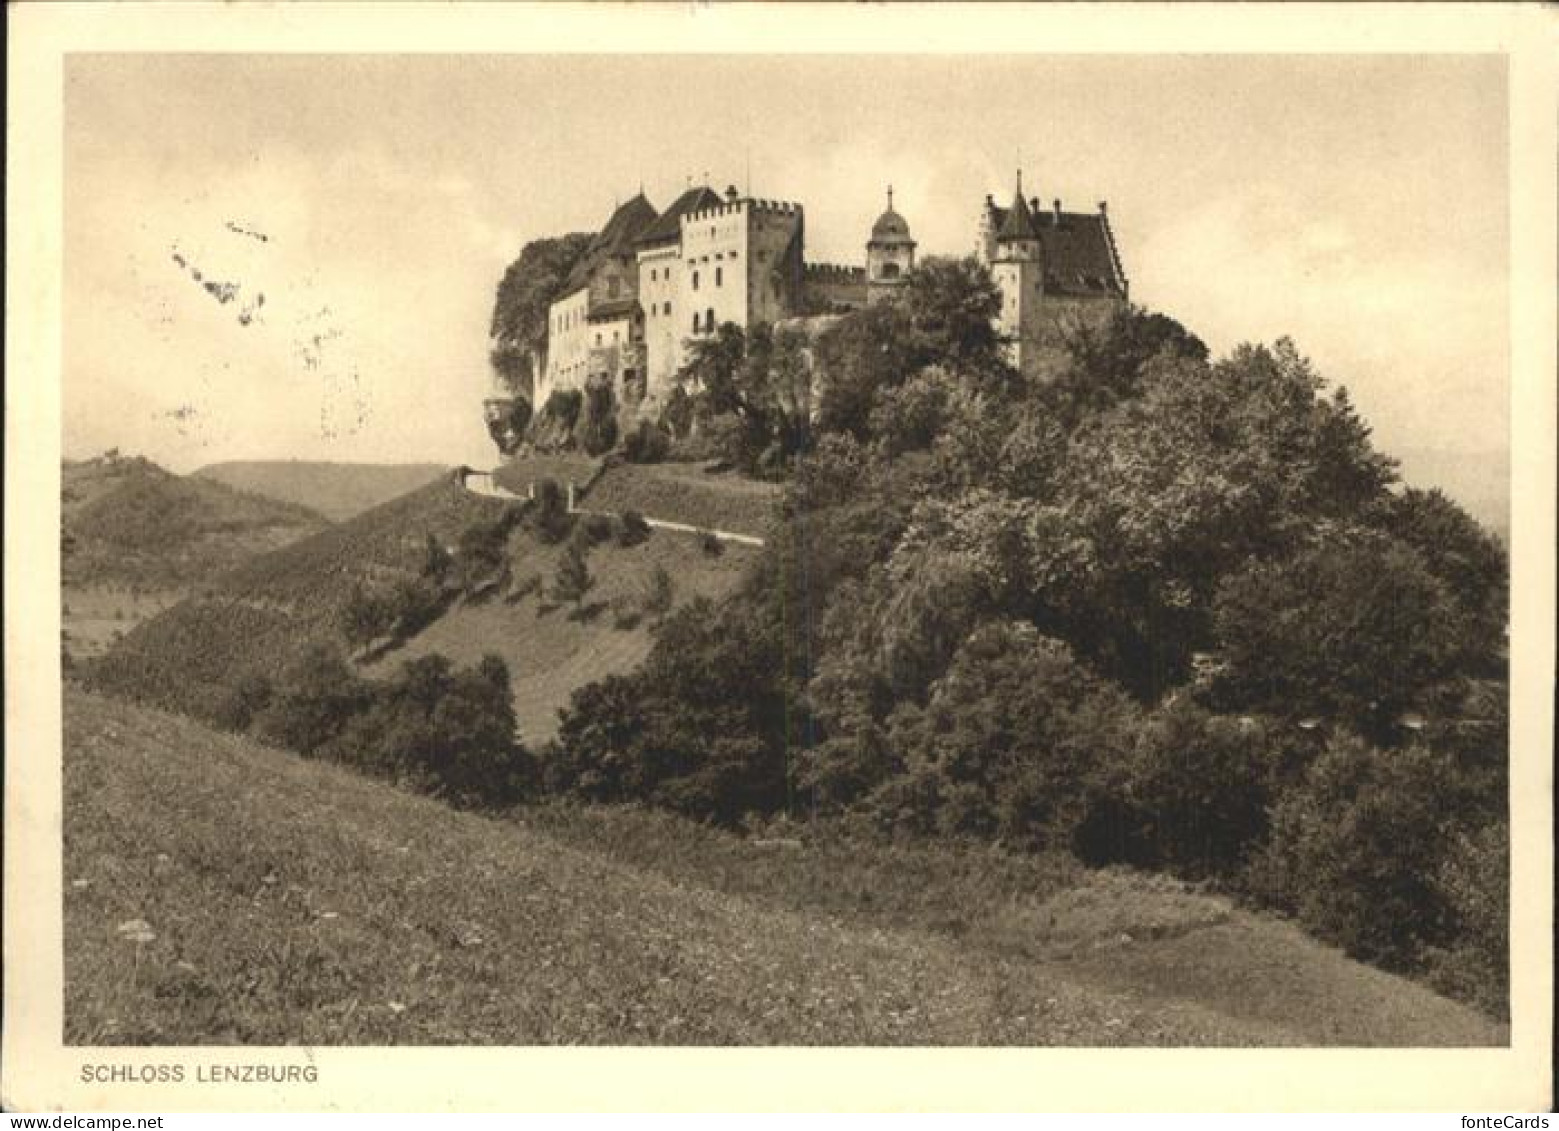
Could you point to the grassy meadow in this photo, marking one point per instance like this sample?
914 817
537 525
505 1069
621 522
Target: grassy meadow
221 892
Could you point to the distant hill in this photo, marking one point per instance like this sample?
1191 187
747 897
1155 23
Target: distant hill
285 901
127 521
336 490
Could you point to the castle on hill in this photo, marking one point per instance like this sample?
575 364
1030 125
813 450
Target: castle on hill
652 283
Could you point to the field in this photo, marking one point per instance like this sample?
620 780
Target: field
336 490
685 492
550 650
95 616
218 892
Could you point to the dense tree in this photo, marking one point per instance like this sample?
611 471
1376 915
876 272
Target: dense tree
1352 628
572 581
1011 742
595 432
312 701
1356 847
519 323
366 616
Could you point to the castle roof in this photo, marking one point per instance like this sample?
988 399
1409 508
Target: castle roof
1077 249
615 240
668 227
1017 223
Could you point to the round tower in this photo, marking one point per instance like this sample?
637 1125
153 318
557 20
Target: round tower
890 254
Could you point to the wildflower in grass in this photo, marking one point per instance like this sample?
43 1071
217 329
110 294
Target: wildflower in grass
139 932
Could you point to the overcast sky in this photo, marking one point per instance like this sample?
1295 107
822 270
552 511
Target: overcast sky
1357 204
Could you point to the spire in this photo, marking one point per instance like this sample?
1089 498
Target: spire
1020 181
890 198
1018 223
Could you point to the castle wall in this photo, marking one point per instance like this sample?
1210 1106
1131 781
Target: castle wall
775 274
830 287
716 257
659 285
569 335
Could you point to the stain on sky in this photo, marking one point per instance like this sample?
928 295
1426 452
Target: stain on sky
241 230
224 292
344 407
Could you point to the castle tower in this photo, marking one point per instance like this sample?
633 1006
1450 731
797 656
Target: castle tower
1018 271
890 255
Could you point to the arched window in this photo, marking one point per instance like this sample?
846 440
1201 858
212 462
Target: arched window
695 280
719 275
890 271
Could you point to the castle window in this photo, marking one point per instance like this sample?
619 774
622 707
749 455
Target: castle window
695 321
719 274
695 280
709 319
667 309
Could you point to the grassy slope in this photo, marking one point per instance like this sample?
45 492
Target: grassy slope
550 651
293 902
260 612
130 522
684 492
337 490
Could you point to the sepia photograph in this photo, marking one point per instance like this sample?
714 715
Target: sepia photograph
771 549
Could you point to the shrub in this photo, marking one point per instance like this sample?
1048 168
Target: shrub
1013 741
1355 631
1198 786
563 406
366 615
519 590
548 517
572 580
631 528
315 697
658 594
646 443
594 530
417 604
1474 882
481 553
435 559
596 429
626 612
1356 845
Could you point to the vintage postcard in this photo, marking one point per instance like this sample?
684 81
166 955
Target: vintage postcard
783 557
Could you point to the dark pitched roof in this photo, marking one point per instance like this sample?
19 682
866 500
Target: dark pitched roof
615 239
1078 252
669 226
1017 224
